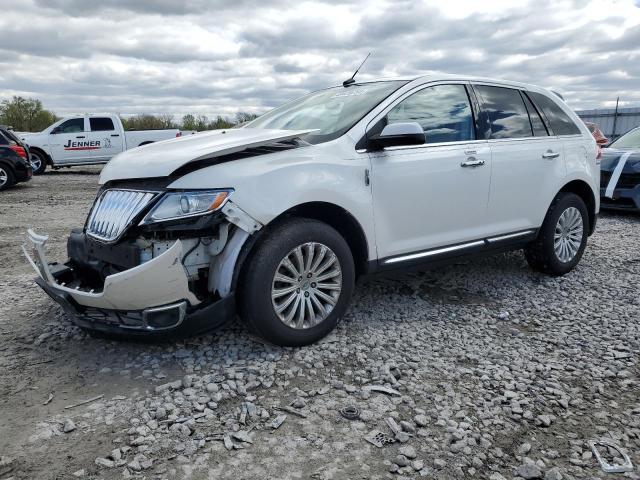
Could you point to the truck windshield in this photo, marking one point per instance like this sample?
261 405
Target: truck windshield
330 112
628 140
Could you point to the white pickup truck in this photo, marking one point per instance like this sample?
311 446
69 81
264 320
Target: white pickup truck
85 140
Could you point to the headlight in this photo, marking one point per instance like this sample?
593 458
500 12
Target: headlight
175 205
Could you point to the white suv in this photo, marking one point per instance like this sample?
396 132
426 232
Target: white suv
277 219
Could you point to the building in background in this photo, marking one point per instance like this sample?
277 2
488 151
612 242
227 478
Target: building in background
611 122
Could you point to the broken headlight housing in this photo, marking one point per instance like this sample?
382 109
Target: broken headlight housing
176 205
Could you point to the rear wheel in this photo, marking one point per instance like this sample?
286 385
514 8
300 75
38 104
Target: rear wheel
6 177
562 238
297 283
38 162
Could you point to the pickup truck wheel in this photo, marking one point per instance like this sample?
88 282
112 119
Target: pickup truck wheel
562 238
297 283
6 178
38 162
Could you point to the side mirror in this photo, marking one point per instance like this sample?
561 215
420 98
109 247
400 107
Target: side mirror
399 134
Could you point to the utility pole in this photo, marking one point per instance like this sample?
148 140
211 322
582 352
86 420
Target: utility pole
615 120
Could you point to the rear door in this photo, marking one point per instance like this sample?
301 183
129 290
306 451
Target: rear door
435 194
104 134
526 160
69 144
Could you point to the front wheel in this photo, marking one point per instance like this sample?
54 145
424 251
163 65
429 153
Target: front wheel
562 238
297 283
38 162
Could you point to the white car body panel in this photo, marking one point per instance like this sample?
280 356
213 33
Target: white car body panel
91 147
158 160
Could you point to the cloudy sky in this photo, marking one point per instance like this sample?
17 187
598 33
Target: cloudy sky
219 56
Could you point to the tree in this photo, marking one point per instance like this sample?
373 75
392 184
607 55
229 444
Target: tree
244 117
145 121
25 114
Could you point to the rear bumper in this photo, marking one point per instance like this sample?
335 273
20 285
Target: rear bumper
623 199
152 298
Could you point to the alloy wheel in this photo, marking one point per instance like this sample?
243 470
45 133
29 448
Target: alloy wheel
4 177
36 161
567 237
306 285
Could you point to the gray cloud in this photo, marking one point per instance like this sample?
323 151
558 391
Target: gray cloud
217 57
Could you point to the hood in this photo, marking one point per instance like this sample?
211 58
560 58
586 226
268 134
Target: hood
160 159
612 156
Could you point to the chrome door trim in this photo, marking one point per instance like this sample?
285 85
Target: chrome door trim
436 251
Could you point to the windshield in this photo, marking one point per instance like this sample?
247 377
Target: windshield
330 112
628 140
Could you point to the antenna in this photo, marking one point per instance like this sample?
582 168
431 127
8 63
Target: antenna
352 80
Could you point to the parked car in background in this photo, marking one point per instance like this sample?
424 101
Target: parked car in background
620 173
86 140
14 159
279 217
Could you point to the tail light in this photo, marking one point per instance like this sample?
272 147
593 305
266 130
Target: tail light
179 134
20 151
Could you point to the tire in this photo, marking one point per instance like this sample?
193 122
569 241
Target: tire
7 178
542 255
38 162
257 280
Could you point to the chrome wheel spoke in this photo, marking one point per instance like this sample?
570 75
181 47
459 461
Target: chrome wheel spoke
306 285
280 277
283 306
327 298
279 292
328 275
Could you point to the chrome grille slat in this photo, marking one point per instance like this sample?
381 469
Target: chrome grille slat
113 212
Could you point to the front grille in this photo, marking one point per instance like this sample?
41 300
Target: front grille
113 212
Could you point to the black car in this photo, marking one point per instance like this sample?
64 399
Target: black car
620 173
14 164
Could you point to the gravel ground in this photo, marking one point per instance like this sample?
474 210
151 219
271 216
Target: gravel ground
495 372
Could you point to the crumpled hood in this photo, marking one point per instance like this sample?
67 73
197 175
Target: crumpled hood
160 159
612 156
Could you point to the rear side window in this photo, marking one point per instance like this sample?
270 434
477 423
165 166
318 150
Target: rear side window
3 140
506 110
539 129
101 124
560 122
443 112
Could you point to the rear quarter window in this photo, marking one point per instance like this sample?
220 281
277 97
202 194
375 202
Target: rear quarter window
3 140
560 122
101 124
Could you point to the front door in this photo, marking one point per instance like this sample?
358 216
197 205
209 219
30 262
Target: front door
68 142
436 194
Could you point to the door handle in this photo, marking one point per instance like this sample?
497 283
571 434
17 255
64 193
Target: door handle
80 136
472 162
550 154
115 135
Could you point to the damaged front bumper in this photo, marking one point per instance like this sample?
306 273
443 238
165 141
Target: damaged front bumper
151 297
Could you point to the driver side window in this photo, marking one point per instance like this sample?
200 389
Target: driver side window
443 111
73 125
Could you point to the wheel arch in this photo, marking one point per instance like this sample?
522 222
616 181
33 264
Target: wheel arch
47 157
331 214
584 191
146 142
